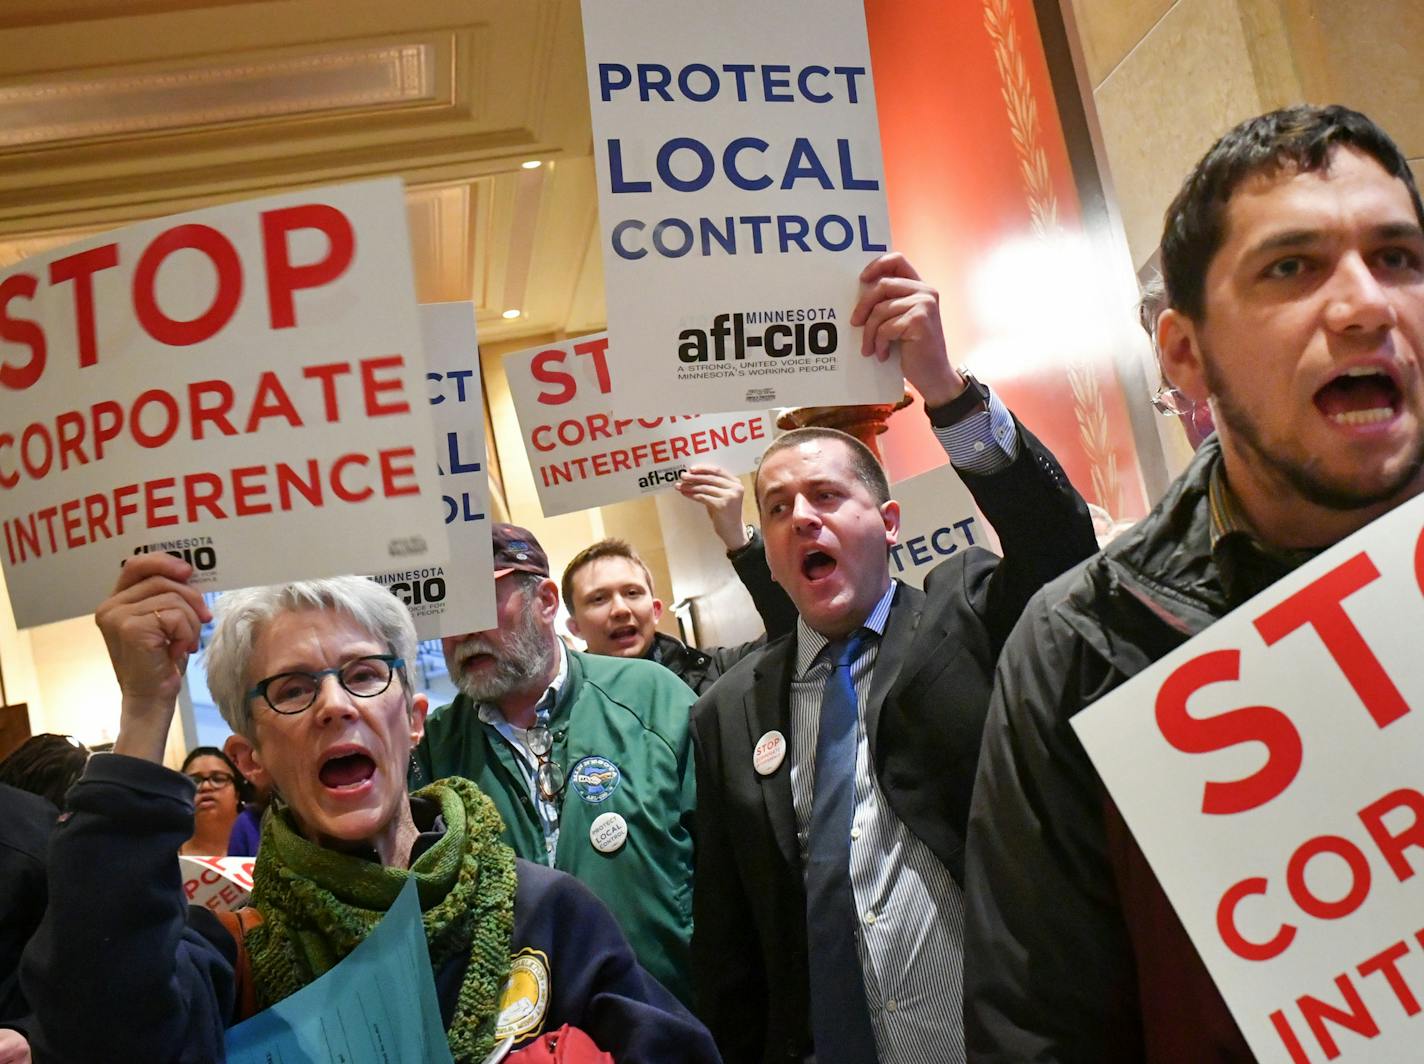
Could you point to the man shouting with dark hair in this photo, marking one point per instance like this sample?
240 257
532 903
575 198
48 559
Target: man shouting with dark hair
1294 263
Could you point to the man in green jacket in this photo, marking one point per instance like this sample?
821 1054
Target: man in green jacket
588 758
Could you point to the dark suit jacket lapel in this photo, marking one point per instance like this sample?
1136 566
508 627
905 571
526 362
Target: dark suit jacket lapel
894 653
768 708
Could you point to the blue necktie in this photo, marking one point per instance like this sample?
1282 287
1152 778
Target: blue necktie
840 1020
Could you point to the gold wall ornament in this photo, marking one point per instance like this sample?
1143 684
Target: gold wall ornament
863 421
1021 106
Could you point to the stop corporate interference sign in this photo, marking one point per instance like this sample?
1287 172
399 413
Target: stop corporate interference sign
241 386
741 193
583 455
1270 771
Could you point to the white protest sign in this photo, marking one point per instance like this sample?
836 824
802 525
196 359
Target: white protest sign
217 883
1270 771
456 597
937 519
741 193
240 386
582 455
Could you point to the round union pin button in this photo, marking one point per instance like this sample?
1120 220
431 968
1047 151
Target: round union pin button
608 833
769 753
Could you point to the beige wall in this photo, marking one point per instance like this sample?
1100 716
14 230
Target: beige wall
1167 78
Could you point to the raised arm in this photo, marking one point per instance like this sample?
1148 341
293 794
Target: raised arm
720 494
117 971
1041 520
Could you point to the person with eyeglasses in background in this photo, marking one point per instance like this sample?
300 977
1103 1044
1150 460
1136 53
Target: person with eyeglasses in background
588 758
221 790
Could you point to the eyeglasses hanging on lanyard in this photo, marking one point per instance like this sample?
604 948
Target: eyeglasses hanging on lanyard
549 776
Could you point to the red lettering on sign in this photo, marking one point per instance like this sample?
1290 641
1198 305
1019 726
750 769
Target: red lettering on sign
1262 724
283 278
327 374
223 256
373 387
398 472
1393 845
81 269
217 413
542 369
20 331
1354 1017
1237 942
597 350
1300 889
1419 561
1319 605
272 400
338 485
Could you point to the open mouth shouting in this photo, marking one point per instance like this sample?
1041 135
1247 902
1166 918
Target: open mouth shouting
624 636
346 770
816 565
1360 397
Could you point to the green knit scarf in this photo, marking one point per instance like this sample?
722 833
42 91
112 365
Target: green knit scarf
317 905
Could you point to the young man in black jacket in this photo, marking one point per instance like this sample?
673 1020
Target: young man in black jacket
1294 264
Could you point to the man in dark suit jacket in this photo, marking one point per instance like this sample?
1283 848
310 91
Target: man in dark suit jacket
922 674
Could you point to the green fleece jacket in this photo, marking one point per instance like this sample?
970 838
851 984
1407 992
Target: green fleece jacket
620 730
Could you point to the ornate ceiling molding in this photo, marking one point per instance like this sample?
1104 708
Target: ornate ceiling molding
217 93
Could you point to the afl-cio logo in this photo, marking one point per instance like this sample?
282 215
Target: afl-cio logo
595 779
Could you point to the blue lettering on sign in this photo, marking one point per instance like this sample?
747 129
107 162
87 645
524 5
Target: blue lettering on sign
463 508
701 82
457 465
936 545
615 171
730 164
685 164
675 237
459 376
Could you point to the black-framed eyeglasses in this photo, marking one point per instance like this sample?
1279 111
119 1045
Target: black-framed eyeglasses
293 692
549 776
216 780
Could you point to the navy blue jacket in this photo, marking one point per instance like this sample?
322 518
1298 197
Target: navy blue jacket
123 969
25 823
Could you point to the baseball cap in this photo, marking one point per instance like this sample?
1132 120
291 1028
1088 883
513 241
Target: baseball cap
516 549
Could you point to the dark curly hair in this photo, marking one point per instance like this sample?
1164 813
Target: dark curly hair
47 765
1295 139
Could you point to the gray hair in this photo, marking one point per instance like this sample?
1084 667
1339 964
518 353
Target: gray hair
242 614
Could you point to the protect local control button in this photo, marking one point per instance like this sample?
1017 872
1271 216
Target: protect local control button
608 833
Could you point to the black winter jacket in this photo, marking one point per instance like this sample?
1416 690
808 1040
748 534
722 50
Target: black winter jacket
1073 953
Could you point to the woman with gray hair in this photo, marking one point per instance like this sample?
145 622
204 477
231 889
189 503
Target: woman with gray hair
311 677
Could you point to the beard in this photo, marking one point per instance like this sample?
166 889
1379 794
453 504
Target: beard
1300 472
525 659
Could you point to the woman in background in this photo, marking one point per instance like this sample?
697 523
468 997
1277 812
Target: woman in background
221 789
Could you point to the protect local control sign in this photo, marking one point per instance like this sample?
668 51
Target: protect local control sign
741 193
458 596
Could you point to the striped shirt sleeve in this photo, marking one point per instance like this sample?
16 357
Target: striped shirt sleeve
984 442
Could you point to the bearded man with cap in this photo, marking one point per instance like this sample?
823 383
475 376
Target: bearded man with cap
587 758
